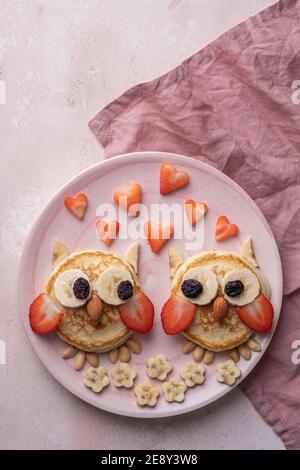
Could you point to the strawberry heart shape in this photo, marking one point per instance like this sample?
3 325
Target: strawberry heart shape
129 198
224 229
194 210
172 179
157 235
77 205
107 231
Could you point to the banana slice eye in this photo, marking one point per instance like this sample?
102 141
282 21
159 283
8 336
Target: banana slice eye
114 286
72 288
199 285
240 286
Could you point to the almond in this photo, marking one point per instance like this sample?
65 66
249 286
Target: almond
245 352
68 352
134 345
94 308
219 308
113 355
187 346
254 345
92 359
124 354
234 355
79 360
208 357
198 354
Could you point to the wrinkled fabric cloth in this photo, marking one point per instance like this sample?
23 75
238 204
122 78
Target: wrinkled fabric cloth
234 105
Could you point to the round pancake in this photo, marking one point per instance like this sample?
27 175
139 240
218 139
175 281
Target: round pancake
76 327
205 330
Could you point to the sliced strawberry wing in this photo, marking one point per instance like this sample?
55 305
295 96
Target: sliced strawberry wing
258 315
77 205
44 315
177 314
137 313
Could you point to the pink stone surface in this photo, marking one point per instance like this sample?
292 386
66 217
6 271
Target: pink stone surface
60 62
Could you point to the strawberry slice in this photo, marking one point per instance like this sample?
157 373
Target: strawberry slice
194 210
107 231
172 179
222 220
77 205
224 229
258 315
157 235
137 313
177 314
129 198
44 315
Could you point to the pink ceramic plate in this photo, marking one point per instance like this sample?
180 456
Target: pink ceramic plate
222 195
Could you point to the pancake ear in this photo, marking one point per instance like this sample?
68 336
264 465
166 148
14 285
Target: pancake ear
132 255
175 260
60 252
247 252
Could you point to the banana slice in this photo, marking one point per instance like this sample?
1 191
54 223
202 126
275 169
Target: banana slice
250 283
107 284
132 255
247 252
63 288
60 252
175 260
209 284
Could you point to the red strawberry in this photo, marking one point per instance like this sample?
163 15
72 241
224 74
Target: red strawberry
177 314
194 210
129 198
77 205
172 179
258 315
137 313
157 235
224 229
44 315
107 231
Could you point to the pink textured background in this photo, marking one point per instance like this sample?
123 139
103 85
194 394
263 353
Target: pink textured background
53 56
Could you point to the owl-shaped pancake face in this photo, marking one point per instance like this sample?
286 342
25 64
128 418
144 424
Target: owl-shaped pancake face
99 297
217 300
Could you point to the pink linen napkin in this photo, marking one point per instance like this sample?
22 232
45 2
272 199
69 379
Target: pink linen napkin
235 105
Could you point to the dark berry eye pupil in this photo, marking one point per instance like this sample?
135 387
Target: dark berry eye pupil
81 288
234 288
125 290
191 288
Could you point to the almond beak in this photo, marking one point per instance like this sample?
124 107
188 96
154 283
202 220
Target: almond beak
94 308
220 306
